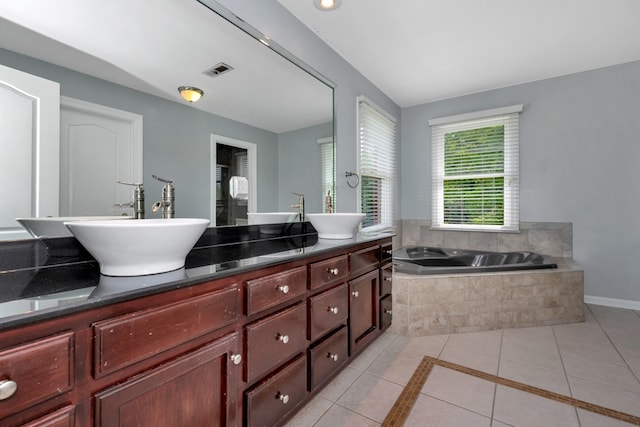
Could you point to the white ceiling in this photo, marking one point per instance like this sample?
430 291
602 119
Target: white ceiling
419 51
157 45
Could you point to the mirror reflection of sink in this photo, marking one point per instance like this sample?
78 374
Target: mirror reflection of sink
112 285
139 247
335 225
54 226
271 217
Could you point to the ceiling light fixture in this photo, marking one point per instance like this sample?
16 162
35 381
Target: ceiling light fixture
326 5
190 93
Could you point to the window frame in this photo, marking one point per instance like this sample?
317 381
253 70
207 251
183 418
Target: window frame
507 116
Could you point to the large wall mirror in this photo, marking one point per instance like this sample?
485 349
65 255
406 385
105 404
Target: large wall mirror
128 59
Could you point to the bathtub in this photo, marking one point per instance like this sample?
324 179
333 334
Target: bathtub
424 260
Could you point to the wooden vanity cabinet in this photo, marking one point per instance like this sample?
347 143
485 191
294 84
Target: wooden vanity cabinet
243 350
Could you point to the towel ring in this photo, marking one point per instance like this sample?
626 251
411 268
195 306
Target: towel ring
349 175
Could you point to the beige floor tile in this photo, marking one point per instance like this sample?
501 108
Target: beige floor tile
337 416
605 395
340 384
581 331
460 389
590 350
487 342
436 413
591 419
495 423
310 413
547 356
395 367
470 359
631 356
535 376
364 359
370 396
523 409
419 346
606 373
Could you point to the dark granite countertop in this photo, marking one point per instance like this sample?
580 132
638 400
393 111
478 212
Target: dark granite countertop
46 278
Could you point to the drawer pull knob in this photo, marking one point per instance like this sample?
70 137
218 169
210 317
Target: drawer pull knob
284 289
333 271
355 294
388 251
333 310
284 398
282 338
7 388
333 357
236 359
387 311
388 279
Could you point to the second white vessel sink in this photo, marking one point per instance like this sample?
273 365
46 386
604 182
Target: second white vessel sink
53 226
141 246
335 225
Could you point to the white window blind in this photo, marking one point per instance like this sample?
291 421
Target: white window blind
377 165
475 182
328 171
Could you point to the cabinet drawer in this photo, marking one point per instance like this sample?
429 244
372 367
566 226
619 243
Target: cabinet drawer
327 356
328 271
277 288
273 399
386 279
64 417
273 340
41 370
364 260
328 310
385 312
128 339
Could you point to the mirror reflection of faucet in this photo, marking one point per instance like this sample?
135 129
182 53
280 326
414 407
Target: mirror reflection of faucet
299 205
168 201
137 202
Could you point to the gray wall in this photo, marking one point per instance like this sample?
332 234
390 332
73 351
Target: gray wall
579 151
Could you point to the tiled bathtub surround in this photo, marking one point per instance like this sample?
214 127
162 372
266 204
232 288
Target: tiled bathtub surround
547 238
442 304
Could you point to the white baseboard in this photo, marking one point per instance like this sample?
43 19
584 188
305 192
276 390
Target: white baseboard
612 302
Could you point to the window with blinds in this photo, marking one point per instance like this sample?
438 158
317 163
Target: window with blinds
475 170
328 172
377 165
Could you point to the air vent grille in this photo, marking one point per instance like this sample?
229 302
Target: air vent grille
218 69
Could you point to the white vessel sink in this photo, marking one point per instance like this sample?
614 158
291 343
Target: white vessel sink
271 217
335 225
141 246
54 226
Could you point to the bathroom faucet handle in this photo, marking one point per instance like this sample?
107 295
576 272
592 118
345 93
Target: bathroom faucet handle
166 181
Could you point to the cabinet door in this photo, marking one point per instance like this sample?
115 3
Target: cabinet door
363 307
198 389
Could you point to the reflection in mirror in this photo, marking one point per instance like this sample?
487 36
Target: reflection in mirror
265 100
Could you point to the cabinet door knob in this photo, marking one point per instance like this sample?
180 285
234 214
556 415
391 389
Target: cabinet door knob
388 279
7 388
284 398
332 356
333 310
355 294
333 271
236 359
282 338
284 289
387 311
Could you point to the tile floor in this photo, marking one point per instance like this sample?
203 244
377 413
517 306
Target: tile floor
597 361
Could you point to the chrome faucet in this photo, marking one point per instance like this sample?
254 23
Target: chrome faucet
299 205
137 202
168 201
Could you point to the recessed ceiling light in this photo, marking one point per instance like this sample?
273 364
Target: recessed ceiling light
326 5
